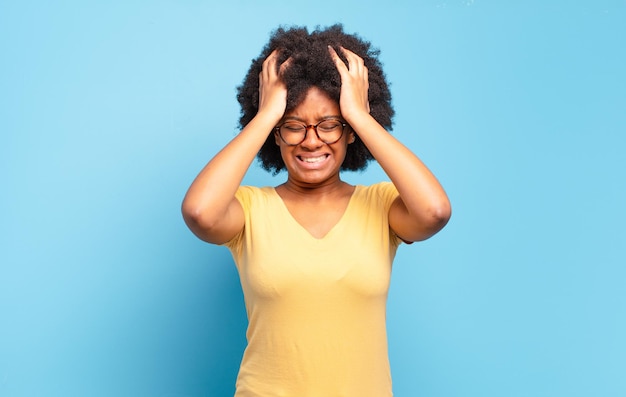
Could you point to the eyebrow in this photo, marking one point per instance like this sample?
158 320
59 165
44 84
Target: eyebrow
294 118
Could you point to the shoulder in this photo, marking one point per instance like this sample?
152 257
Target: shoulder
248 195
383 187
254 202
384 192
376 198
375 201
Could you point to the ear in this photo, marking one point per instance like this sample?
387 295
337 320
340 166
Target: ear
351 137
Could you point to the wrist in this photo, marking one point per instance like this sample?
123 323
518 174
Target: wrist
358 118
274 114
269 116
267 119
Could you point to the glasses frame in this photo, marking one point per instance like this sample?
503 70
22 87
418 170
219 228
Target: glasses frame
308 127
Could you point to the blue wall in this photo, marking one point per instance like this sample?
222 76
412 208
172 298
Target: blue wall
109 109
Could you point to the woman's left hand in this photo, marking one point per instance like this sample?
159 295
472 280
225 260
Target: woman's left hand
422 208
353 100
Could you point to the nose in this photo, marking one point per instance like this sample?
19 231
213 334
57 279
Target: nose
311 140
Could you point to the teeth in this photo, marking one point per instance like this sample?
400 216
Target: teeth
313 159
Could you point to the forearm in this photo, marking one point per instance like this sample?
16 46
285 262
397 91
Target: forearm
421 193
213 190
423 207
209 207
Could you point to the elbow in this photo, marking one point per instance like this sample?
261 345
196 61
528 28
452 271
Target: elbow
437 218
195 217
441 213
422 221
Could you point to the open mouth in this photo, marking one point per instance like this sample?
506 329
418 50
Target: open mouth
313 160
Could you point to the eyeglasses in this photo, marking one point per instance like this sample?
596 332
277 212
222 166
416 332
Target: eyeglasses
328 131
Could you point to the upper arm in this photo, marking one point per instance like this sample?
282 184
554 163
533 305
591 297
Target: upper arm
416 228
216 228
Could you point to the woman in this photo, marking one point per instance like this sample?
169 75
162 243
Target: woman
314 253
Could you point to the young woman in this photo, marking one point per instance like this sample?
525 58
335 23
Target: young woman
314 253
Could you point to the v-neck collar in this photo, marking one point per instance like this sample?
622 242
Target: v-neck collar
299 226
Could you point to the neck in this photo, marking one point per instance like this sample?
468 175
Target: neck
314 191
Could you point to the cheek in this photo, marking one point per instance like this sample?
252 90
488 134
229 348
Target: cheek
342 151
284 150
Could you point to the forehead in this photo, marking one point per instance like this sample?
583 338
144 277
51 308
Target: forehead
316 104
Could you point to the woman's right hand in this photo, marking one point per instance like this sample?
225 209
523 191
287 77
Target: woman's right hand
210 208
272 88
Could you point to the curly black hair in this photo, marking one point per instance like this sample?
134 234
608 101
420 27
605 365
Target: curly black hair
312 65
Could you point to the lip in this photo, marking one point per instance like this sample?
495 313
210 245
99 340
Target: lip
323 159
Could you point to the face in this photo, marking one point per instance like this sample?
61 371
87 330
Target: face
314 162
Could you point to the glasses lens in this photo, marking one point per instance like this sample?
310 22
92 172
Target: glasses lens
330 131
292 133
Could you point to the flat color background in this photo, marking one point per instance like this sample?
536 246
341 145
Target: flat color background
109 109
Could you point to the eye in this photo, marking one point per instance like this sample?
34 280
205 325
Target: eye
329 126
292 127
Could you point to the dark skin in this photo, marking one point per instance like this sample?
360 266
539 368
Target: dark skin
314 193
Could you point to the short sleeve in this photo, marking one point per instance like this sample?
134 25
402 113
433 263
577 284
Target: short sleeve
244 195
386 193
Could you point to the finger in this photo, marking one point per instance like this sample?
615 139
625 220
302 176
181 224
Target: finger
339 63
285 65
355 62
270 59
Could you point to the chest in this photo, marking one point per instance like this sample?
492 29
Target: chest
318 214
282 257
317 220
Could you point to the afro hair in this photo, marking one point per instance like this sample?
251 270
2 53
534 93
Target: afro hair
312 66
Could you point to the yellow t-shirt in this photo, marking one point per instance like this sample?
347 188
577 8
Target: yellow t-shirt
316 307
